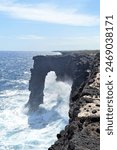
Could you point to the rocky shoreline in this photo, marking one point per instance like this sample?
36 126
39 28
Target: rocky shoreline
83 131
68 66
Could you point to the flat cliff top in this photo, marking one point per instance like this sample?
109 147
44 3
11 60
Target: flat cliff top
90 52
69 53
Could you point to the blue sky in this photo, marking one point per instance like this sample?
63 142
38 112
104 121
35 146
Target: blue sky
37 25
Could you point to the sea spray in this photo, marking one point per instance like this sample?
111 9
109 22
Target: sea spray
37 130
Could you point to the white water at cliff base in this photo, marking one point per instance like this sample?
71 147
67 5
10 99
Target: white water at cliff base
38 130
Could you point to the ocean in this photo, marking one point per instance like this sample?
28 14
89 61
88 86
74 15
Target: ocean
20 130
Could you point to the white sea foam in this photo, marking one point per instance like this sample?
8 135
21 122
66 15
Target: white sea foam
8 93
19 81
19 131
26 72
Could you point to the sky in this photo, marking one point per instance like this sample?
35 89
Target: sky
46 25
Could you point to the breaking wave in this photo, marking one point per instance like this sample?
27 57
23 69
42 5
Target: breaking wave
37 130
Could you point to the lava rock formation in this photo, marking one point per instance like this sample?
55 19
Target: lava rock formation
83 131
67 66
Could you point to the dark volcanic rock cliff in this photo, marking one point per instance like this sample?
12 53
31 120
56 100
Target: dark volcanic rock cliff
83 131
67 66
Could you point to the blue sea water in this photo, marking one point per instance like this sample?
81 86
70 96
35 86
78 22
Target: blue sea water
20 130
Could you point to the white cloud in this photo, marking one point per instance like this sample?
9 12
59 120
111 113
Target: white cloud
30 37
48 43
49 14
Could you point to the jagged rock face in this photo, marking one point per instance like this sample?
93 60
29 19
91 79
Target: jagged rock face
83 131
68 66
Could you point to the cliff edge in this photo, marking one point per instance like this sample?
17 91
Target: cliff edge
83 131
67 66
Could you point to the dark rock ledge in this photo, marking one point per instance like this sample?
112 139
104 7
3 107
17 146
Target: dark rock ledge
83 131
67 66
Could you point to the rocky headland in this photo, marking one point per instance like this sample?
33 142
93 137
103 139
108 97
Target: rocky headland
83 130
68 66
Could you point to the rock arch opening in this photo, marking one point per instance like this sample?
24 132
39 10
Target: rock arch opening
66 67
56 95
